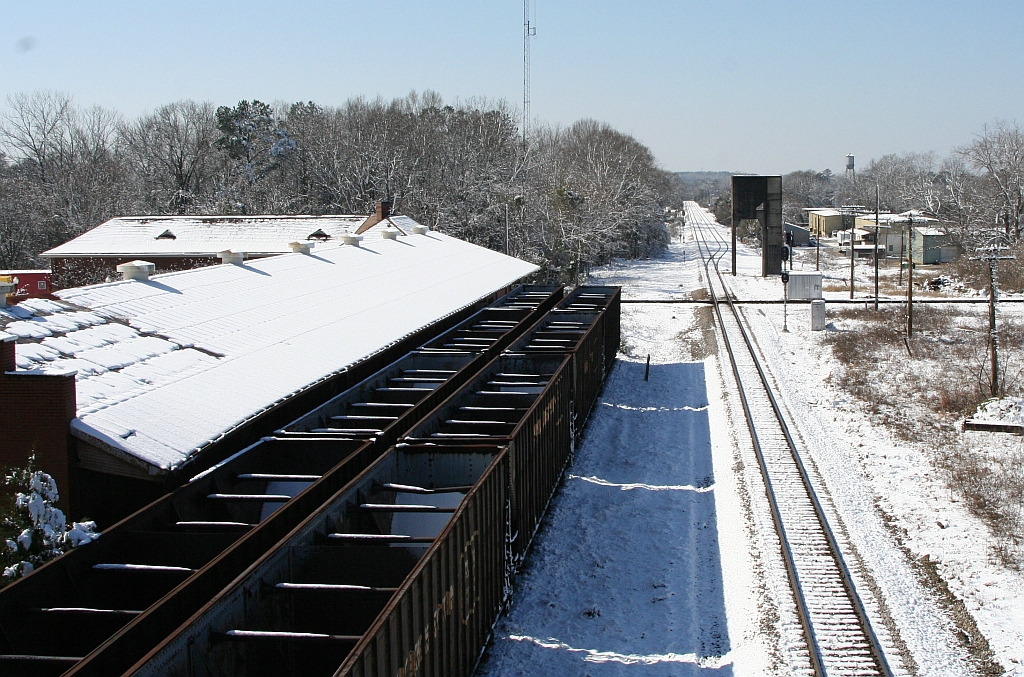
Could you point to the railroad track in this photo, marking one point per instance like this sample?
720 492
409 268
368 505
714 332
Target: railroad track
836 626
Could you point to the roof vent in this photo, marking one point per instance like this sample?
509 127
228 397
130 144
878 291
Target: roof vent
228 256
389 234
349 238
420 229
136 270
166 235
301 247
318 234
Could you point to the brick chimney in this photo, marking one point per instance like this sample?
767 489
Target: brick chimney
382 212
7 361
35 416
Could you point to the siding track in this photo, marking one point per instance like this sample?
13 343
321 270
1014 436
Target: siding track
836 626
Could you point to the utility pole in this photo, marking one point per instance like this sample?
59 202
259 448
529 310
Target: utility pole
817 250
998 249
993 337
852 220
902 249
910 276
876 247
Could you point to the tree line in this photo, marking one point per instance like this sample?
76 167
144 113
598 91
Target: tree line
569 196
976 193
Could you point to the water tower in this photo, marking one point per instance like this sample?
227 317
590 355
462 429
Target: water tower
851 173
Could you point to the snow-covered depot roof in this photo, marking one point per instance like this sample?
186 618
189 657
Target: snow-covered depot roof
168 365
204 235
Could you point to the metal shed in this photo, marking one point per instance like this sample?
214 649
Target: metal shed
931 245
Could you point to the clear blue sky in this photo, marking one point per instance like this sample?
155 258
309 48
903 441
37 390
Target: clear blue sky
746 86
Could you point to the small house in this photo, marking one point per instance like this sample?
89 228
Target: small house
932 245
825 222
28 283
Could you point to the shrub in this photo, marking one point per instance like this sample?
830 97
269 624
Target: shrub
33 530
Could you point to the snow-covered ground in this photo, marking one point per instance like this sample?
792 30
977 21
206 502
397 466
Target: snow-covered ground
644 562
928 528
656 559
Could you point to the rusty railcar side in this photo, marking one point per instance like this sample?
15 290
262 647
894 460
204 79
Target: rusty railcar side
492 329
350 577
589 297
113 599
383 406
580 335
441 618
523 402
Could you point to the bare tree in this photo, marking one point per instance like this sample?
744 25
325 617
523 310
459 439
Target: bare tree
575 196
998 152
172 157
36 128
17 238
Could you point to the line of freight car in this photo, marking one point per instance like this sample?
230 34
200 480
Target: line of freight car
100 607
406 565
130 625
591 298
493 328
303 607
580 336
522 402
384 405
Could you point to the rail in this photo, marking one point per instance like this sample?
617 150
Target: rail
843 654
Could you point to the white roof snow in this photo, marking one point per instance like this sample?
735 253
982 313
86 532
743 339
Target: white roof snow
168 365
203 235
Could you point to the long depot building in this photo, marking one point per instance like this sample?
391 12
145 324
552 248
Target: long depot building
124 389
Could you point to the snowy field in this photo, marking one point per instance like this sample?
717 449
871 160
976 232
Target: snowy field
657 557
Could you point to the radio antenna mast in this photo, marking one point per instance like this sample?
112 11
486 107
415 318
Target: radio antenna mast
529 30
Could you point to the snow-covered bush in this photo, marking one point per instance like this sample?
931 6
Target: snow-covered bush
33 530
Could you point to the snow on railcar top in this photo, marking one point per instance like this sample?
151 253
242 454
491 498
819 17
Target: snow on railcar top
167 365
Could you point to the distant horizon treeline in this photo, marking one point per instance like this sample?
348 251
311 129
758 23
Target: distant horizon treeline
976 193
575 196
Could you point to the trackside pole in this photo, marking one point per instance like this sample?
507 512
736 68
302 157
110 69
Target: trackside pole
785 301
733 249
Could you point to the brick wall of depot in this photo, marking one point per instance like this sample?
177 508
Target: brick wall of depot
35 417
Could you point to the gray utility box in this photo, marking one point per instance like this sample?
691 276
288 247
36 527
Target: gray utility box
804 286
817 315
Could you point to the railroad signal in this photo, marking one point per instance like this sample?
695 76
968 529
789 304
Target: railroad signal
785 294
785 252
